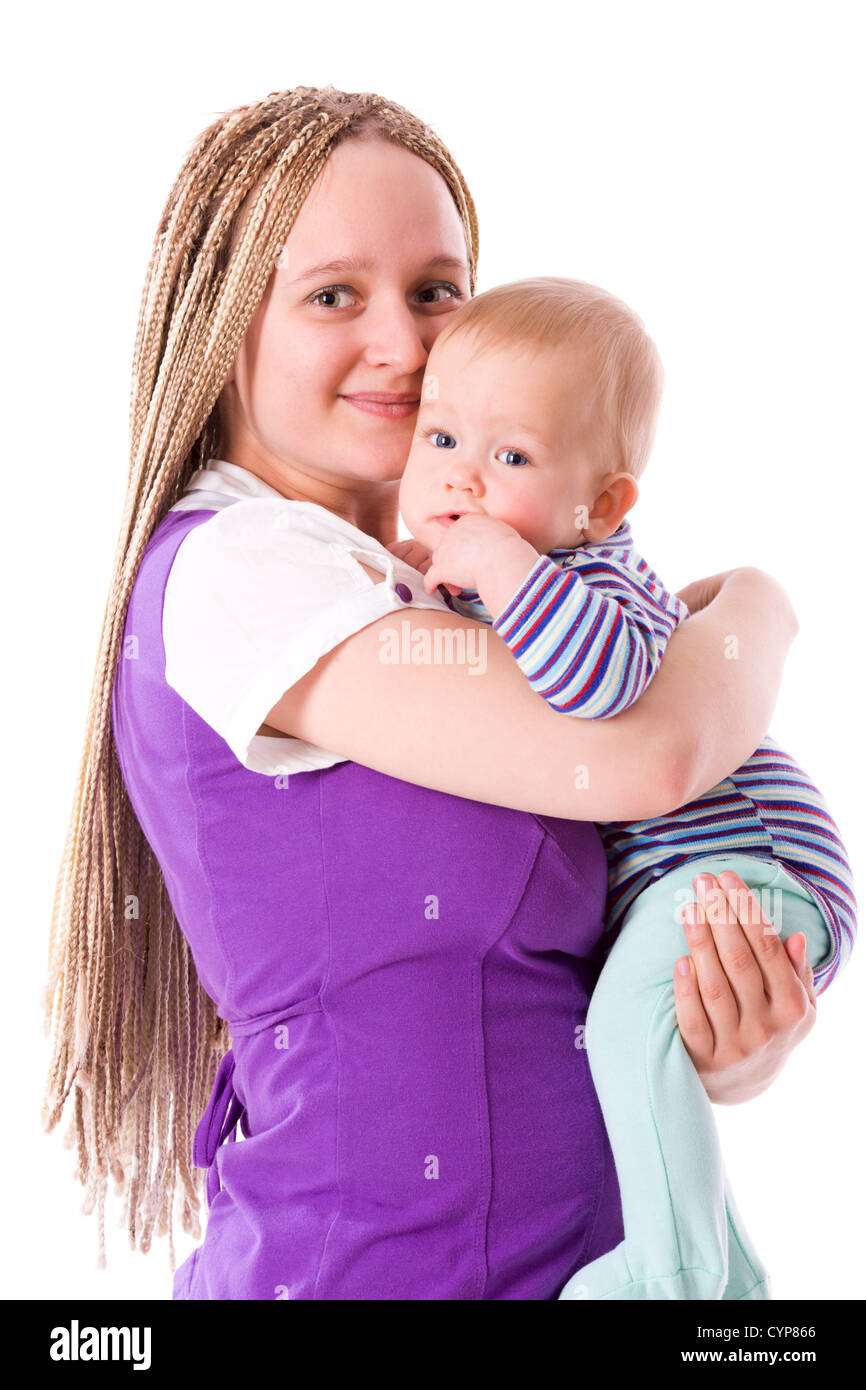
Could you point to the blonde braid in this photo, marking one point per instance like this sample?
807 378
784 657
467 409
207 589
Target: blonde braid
134 1034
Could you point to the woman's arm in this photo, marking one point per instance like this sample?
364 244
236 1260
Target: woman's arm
484 734
490 738
735 672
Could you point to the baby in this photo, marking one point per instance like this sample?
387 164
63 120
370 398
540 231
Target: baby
537 415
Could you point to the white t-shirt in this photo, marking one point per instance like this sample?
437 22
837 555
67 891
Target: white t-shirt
256 595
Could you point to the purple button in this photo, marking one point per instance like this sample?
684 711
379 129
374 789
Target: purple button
403 591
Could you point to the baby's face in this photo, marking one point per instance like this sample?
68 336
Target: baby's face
508 434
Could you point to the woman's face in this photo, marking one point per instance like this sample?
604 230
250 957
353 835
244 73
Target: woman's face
324 333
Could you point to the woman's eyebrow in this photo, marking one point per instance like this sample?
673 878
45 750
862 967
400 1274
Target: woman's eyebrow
348 264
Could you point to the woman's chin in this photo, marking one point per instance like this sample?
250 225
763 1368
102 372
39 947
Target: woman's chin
379 469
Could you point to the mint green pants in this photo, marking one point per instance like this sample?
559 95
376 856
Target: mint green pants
684 1237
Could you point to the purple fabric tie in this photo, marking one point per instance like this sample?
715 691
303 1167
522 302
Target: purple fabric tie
225 1109
218 1124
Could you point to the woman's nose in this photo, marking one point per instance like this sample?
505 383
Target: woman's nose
393 338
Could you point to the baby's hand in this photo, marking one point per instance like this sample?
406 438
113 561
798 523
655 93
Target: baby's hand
419 557
413 552
467 549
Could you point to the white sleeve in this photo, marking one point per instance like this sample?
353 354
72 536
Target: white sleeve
254 597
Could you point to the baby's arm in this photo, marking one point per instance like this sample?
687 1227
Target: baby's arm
589 638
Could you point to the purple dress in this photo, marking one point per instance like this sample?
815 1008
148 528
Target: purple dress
405 974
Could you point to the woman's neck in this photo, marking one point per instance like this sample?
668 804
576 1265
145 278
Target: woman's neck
371 506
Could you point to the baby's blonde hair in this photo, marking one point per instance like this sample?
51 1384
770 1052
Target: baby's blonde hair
137 1041
551 312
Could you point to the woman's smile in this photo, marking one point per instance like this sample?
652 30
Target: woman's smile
387 409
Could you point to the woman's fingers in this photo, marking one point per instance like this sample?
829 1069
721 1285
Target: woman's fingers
746 989
742 936
695 1028
784 984
799 957
718 999
753 988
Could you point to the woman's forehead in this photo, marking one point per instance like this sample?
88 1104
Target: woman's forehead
368 189
365 192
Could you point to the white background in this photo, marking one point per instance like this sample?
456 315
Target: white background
702 161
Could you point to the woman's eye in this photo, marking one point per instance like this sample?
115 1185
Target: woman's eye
454 292
335 290
514 458
331 290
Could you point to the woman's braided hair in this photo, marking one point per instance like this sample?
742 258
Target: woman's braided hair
134 1034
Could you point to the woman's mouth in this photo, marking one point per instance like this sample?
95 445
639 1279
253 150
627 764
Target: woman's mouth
385 408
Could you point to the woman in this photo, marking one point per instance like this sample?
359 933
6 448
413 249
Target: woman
402 939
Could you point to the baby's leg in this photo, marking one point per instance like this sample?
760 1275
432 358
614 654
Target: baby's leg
747 1277
683 1234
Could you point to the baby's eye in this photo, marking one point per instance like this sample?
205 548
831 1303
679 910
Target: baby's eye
514 458
436 435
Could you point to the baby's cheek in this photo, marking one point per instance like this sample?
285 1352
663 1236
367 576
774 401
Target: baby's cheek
411 495
524 514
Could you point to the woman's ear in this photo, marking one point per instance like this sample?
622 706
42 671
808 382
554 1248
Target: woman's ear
617 497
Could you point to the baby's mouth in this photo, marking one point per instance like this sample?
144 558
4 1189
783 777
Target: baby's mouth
448 518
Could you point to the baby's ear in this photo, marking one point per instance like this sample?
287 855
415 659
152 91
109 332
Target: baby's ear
619 492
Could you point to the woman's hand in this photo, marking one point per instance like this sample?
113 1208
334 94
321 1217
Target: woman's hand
748 998
702 591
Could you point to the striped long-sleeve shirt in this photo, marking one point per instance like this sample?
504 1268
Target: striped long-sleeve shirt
588 628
